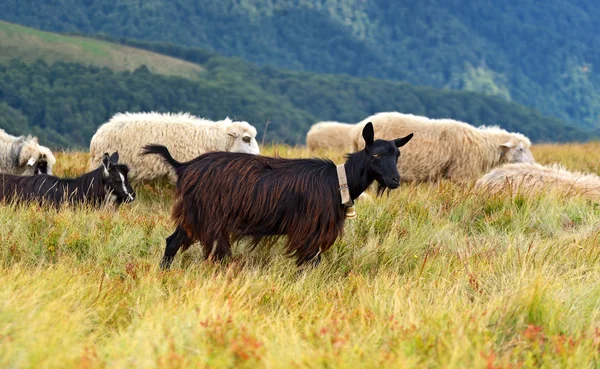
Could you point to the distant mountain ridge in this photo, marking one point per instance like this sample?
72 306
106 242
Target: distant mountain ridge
543 55
63 102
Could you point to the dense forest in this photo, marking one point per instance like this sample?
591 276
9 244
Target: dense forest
544 56
65 102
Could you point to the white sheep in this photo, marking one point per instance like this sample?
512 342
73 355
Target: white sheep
329 136
535 178
23 155
446 148
185 135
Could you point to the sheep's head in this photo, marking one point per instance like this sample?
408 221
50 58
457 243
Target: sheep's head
517 149
243 137
34 158
514 147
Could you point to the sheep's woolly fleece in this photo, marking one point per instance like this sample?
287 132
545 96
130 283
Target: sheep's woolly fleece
185 135
23 154
446 148
329 136
535 178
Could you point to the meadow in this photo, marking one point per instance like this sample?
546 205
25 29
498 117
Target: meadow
429 276
30 45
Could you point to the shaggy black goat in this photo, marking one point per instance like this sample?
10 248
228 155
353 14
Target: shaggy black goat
222 197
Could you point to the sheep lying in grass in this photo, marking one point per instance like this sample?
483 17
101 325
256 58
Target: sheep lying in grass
329 136
445 148
23 155
186 136
536 178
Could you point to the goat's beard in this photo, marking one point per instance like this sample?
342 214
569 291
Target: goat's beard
381 188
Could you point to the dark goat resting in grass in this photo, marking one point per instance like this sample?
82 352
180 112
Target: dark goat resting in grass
108 183
223 197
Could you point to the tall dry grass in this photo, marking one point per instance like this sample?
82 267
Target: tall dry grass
433 276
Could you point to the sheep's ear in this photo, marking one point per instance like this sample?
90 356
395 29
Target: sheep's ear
22 160
114 158
31 162
20 152
368 134
232 131
399 142
507 145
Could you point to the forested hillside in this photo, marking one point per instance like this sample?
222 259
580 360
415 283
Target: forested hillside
63 103
544 55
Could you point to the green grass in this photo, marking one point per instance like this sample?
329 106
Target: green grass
29 45
433 276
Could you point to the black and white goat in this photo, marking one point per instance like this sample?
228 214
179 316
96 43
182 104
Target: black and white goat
106 184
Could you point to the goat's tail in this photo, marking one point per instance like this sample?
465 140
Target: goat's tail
163 152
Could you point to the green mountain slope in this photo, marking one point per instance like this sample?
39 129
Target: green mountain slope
64 102
29 45
544 55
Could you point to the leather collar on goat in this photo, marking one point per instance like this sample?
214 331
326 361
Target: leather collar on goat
345 192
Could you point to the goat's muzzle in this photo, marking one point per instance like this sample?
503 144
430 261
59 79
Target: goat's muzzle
130 197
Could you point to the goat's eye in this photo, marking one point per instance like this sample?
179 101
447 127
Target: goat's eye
376 155
246 139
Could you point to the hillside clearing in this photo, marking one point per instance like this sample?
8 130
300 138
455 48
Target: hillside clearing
29 45
433 276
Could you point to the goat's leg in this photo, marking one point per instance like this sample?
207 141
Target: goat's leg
308 253
313 259
221 247
175 241
224 247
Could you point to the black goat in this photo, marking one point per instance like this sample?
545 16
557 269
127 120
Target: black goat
223 196
107 183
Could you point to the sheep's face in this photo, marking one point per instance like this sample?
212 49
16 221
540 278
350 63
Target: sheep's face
35 159
42 167
516 151
244 140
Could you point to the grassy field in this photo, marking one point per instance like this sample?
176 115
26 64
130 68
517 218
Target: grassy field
433 276
29 45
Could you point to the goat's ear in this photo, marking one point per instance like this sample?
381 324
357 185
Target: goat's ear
399 142
106 163
114 158
368 134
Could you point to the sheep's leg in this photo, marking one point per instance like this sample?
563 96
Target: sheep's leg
175 241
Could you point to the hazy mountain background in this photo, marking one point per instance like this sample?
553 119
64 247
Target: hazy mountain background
510 54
